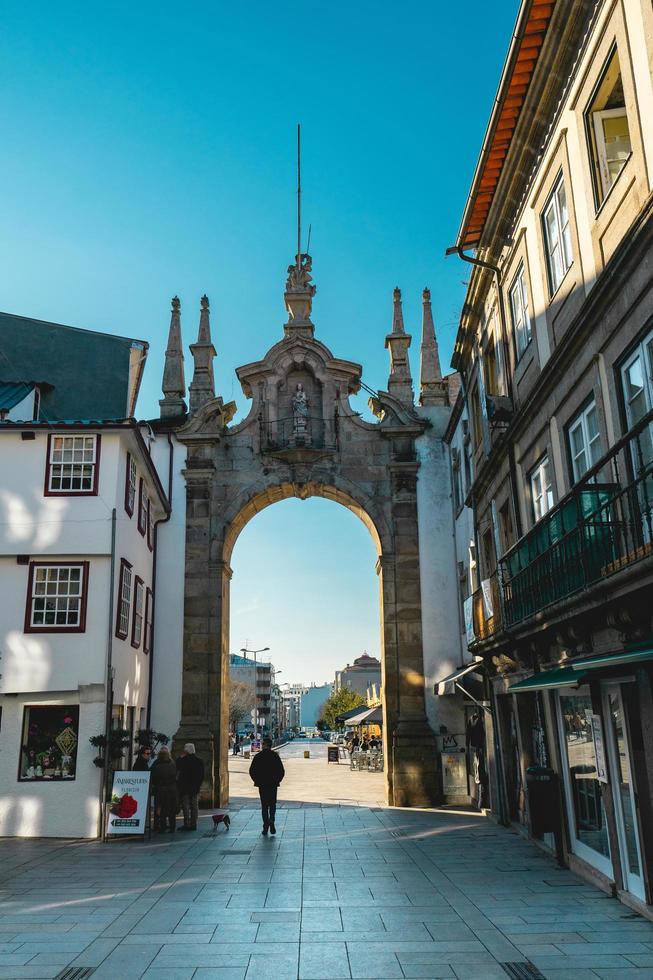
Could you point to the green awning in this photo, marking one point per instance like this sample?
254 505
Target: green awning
634 654
558 677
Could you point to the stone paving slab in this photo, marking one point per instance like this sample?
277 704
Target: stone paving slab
341 892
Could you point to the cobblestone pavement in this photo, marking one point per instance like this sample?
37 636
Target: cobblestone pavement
340 892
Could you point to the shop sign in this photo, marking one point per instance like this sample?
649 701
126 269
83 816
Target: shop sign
599 749
129 801
454 773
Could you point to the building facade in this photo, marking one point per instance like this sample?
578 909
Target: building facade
358 676
80 505
312 702
555 350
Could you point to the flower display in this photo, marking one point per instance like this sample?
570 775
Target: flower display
124 807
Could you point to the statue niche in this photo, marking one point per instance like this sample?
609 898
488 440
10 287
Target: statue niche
301 410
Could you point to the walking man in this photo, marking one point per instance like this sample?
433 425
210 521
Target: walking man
190 774
267 772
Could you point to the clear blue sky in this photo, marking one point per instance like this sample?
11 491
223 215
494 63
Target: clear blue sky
149 150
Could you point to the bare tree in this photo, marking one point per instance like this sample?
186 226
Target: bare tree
241 701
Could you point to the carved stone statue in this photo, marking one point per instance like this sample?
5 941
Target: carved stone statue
300 411
299 275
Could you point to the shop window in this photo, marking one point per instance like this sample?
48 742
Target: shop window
521 323
130 484
139 608
124 599
72 465
607 129
49 742
586 801
557 236
56 598
584 441
541 489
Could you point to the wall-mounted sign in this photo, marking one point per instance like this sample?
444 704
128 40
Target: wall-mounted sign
599 749
128 813
454 773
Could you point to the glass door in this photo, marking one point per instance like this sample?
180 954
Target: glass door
623 790
583 796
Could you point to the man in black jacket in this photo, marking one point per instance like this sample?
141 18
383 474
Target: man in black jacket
267 772
190 774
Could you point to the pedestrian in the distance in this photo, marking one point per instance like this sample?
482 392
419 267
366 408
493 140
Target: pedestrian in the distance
236 745
164 787
190 775
143 759
267 772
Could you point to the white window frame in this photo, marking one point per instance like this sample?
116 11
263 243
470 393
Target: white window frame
591 445
521 321
541 488
123 621
557 235
139 611
50 593
642 354
67 452
131 486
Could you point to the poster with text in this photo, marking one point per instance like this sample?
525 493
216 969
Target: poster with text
128 812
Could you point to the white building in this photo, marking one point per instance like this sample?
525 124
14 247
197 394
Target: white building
79 503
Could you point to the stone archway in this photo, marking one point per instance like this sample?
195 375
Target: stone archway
302 438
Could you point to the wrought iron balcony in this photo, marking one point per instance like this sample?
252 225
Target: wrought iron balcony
293 433
604 525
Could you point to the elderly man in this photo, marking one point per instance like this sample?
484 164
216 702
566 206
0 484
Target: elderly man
190 774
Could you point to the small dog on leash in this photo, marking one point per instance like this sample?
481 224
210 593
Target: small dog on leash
219 818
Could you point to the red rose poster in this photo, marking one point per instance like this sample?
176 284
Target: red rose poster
128 809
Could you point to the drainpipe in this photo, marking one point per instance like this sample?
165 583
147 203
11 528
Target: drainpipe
108 690
164 520
496 271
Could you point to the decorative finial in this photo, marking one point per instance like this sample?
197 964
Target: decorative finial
202 387
400 383
432 387
174 386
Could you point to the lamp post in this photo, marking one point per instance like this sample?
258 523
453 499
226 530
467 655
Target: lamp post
246 651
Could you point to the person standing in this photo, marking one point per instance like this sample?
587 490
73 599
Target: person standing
143 759
266 772
190 775
164 786
236 744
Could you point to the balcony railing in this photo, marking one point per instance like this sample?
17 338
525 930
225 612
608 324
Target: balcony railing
299 433
604 525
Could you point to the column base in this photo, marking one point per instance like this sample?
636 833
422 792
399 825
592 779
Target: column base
414 780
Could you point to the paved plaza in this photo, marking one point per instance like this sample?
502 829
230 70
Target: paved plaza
343 891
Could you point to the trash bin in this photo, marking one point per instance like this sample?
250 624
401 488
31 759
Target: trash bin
543 788
307 754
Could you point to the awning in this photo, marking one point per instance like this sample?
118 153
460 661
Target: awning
369 716
346 715
634 654
558 677
440 687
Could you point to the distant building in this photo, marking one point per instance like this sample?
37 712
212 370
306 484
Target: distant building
360 675
292 701
312 701
260 677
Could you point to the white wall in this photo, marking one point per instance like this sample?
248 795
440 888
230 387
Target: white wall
169 606
440 623
50 809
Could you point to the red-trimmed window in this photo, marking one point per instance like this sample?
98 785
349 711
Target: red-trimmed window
143 508
72 465
149 613
124 599
139 609
130 484
57 594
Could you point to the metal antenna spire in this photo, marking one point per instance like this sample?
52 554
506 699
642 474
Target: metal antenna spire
299 197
